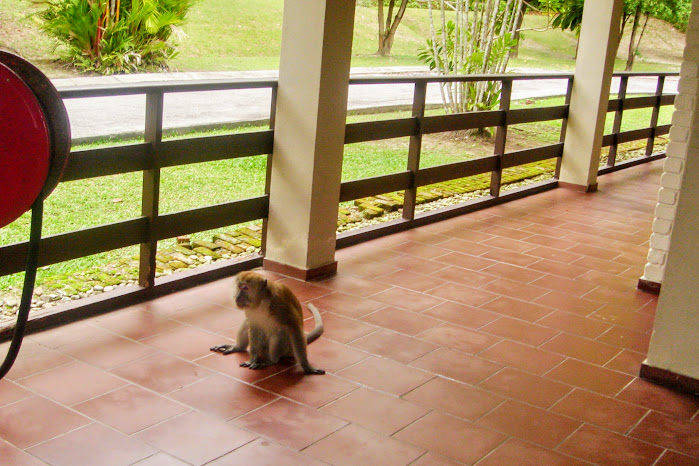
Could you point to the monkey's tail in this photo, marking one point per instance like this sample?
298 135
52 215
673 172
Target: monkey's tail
318 330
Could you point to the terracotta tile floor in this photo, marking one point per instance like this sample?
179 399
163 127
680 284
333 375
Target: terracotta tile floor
513 335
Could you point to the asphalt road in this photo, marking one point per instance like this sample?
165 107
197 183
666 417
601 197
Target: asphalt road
93 118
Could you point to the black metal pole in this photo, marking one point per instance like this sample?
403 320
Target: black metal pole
28 290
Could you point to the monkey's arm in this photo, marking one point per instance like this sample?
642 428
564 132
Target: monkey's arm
241 342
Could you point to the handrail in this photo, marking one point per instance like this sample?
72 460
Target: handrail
154 153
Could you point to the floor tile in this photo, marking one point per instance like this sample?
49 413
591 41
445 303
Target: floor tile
92 444
106 350
518 452
521 356
354 445
628 362
375 410
332 356
581 348
565 302
24 423
523 332
364 268
467 261
433 459
185 342
347 305
310 390
135 323
266 453
464 276
229 364
130 409
161 459
386 375
635 321
459 338
463 294
516 419
669 432
222 397
591 377
347 284
574 324
457 399
412 281
72 383
517 308
627 339
290 423
210 316
602 411
161 372
603 447
515 289
671 458
424 266
344 330
424 251
65 334
195 438
16 457
512 258
460 314
28 364
559 269
445 435
392 345
400 320
457 365
11 392
643 393
529 388
406 299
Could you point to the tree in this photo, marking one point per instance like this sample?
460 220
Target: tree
387 28
568 15
116 36
478 40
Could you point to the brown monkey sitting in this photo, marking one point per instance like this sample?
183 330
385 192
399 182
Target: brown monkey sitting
273 325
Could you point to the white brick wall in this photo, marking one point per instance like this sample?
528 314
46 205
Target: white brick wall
670 183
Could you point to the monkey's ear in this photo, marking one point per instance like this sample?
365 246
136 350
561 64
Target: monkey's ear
264 284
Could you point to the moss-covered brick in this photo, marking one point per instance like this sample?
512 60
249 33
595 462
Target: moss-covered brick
185 251
204 244
372 212
164 258
230 247
227 237
183 258
177 265
247 231
207 252
255 242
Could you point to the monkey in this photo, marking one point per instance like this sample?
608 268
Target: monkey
273 325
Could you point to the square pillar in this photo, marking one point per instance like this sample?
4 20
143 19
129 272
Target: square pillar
309 137
589 99
673 356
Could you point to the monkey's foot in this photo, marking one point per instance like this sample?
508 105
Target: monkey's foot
255 365
313 371
226 349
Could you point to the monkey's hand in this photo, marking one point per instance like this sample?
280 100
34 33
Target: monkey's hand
227 349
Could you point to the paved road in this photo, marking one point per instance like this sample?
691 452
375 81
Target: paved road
122 116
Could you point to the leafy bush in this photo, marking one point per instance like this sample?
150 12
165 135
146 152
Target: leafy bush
116 36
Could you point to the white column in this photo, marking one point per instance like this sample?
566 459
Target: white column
590 95
674 253
309 136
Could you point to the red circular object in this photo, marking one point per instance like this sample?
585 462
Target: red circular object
25 147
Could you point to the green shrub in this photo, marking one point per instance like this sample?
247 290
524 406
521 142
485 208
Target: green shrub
116 36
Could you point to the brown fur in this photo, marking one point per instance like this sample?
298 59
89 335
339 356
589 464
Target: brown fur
273 326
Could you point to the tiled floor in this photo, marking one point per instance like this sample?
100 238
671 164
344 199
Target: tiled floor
509 336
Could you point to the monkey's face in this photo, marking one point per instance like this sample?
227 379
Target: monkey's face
242 297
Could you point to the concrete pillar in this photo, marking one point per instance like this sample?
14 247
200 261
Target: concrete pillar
590 95
673 357
309 136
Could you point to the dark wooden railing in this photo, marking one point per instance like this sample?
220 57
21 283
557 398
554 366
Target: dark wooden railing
154 154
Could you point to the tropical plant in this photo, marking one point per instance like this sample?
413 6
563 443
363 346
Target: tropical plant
478 40
115 36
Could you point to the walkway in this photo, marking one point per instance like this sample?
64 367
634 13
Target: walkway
506 336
